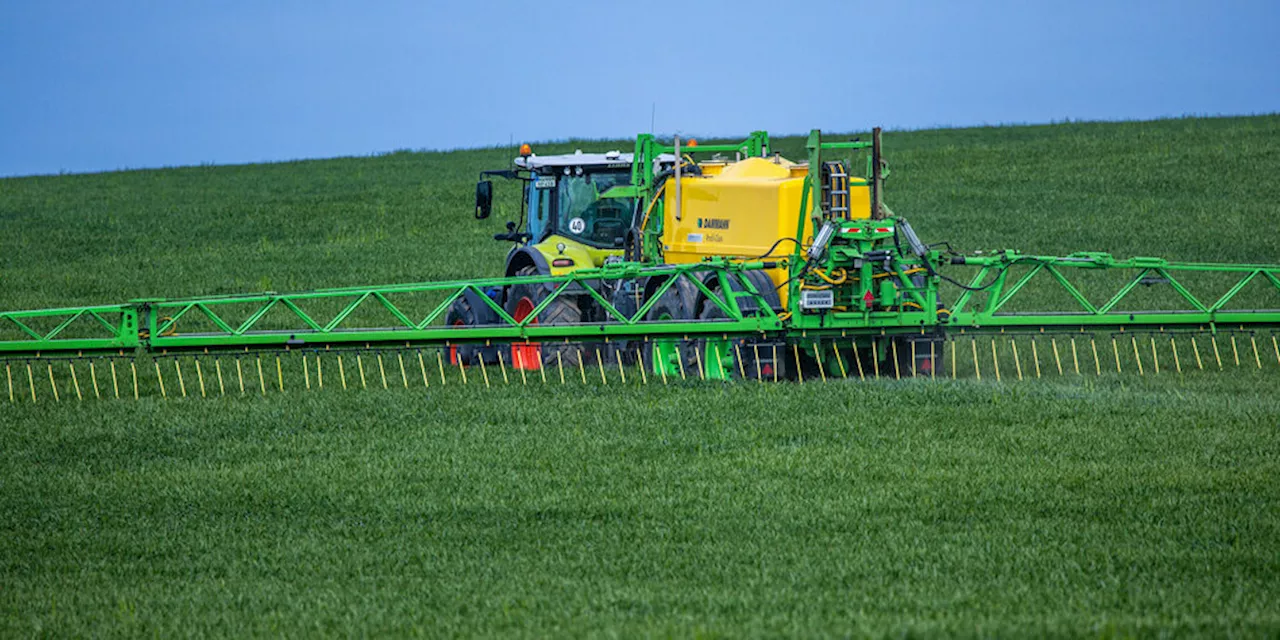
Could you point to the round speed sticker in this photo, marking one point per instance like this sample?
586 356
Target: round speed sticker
577 225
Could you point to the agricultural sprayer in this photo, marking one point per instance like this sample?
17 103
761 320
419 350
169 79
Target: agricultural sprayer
673 263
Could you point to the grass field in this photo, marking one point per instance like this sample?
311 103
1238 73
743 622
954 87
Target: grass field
1099 506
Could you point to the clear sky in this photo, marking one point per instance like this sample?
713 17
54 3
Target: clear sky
101 85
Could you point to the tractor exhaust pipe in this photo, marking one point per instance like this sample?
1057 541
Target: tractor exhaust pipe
677 177
877 177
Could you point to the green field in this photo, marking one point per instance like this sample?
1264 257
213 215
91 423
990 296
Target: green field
1064 506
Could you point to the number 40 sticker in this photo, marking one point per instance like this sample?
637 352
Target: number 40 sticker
577 225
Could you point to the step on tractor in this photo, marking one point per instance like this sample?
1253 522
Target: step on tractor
674 262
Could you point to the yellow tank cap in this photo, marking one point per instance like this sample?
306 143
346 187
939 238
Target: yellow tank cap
757 168
712 167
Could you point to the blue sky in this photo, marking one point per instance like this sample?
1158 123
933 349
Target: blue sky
90 86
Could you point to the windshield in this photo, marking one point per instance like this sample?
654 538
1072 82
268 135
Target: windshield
587 217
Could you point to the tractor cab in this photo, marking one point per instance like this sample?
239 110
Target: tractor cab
577 209
585 197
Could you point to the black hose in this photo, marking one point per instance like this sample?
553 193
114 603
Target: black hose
993 280
803 272
975 289
775 246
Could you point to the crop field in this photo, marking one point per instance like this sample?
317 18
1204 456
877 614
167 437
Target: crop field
1067 505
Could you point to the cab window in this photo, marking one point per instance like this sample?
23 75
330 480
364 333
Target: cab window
539 210
584 215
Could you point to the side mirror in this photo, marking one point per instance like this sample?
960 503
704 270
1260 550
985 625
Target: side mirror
484 199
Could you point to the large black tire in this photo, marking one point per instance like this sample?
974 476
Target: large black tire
749 348
564 310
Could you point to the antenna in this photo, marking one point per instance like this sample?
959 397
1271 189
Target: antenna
653 113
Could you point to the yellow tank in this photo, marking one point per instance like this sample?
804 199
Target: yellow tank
741 209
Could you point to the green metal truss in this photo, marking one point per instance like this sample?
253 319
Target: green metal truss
71 329
1112 313
157 324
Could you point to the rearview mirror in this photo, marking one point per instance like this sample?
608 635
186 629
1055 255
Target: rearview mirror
484 199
